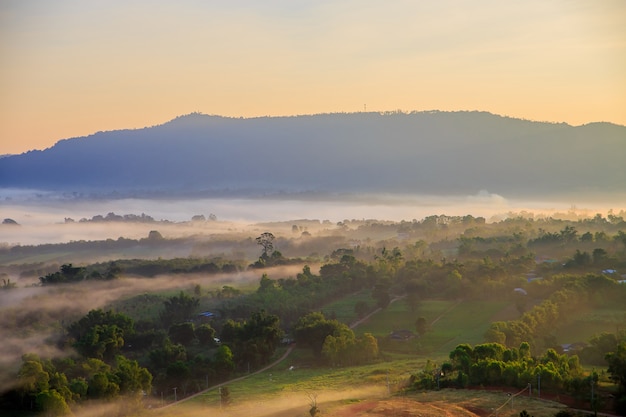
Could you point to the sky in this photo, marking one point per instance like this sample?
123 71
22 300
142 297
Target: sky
71 68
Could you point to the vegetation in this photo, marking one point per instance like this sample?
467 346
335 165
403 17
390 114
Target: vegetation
491 302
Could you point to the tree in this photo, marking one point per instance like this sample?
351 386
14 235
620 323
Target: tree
337 349
32 377
599 255
205 334
421 326
182 333
586 237
52 403
102 386
311 330
68 273
266 284
155 235
179 308
167 354
223 360
366 348
266 241
113 271
259 337
132 378
101 334
617 370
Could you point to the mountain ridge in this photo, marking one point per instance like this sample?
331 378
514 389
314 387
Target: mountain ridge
420 152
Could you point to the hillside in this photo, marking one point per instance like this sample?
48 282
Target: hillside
419 153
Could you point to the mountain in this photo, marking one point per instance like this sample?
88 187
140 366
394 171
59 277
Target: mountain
447 153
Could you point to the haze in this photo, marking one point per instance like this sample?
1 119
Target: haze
71 68
44 221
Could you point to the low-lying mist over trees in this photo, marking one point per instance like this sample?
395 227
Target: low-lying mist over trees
130 318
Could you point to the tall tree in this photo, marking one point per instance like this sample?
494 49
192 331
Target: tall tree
266 240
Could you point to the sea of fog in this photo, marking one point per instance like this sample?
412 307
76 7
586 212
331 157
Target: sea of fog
33 210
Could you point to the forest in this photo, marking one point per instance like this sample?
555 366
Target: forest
157 330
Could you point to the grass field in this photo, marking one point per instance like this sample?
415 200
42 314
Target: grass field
452 323
343 309
286 389
373 390
588 323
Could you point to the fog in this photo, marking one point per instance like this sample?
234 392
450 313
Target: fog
42 218
26 310
290 403
31 316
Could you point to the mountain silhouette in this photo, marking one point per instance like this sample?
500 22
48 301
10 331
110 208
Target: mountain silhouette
445 153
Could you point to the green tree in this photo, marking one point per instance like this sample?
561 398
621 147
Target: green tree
258 338
113 271
421 326
224 361
168 353
52 403
132 378
312 329
102 386
366 348
32 378
205 334
178 309
266 284
337 348
101 334
178 374
599 255
182 333
79 387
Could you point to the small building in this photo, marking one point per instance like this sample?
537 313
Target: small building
401 335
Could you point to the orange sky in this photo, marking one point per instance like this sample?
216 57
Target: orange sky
71 68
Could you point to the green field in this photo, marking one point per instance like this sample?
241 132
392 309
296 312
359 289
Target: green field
343 309
588 323
451 323
288 392
296 374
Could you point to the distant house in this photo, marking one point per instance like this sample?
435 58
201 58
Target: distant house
401 335
573 347
205 316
